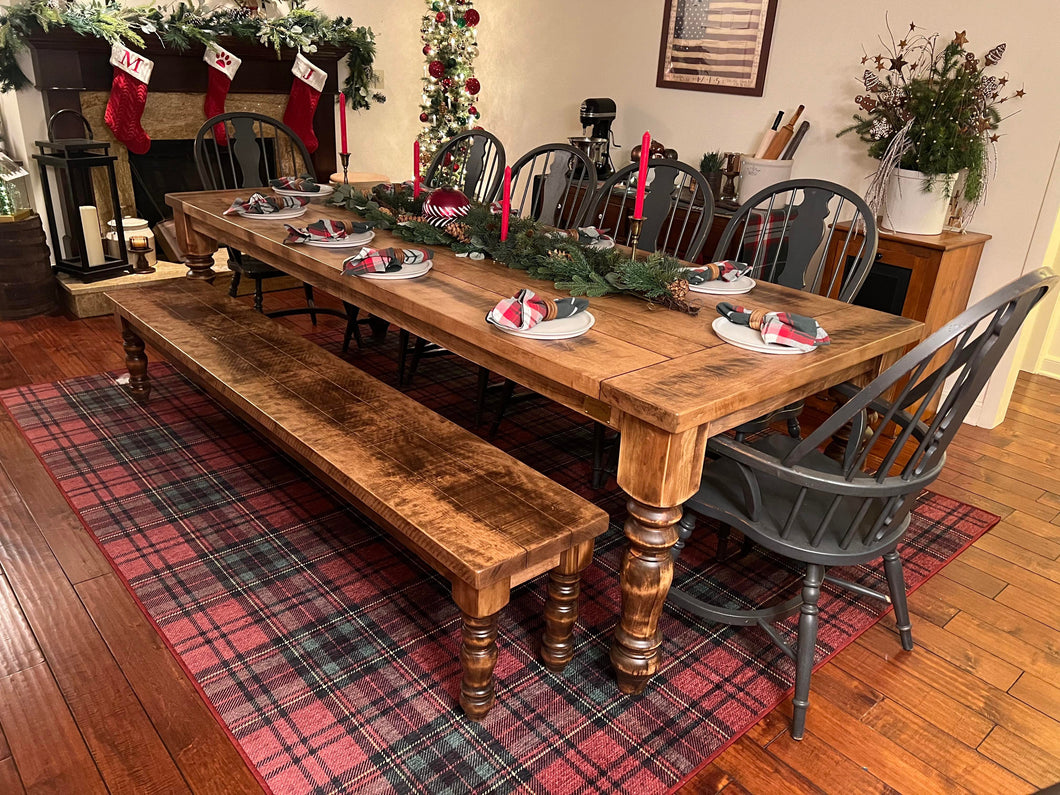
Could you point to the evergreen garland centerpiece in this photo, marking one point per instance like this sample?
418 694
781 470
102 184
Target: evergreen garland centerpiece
931 107
544 253
450 88
187 25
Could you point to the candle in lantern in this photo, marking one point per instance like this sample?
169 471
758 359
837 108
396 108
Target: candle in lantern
506 202
416 169
342 121
642 175
139 243
93 253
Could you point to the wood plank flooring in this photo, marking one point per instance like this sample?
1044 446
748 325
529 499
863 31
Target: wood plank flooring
92 701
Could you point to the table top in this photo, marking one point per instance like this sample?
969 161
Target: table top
665 367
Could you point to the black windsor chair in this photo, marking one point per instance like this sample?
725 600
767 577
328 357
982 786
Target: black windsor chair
790 498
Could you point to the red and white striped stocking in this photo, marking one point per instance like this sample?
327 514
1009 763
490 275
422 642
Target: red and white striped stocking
223 67
302 102
128 96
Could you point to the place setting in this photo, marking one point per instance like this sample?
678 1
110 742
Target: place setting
269 208
721 278
764 331
327 233
389 263
303 186
528 315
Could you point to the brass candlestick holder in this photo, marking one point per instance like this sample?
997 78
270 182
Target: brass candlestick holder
345 158
635 224
140 247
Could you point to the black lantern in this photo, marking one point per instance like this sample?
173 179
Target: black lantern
72 160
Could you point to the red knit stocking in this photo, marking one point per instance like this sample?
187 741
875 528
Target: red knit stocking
128 95
223 67
302 102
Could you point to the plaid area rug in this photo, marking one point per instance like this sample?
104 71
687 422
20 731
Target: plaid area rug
331 654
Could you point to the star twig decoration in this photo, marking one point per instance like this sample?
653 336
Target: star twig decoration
1021 93
994 138
960 39
898 63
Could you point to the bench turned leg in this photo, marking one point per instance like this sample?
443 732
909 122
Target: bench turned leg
561 607
139 385
478 647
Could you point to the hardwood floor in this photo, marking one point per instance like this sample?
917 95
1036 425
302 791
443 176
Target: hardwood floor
92 701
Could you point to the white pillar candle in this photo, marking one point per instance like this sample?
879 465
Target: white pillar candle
93 253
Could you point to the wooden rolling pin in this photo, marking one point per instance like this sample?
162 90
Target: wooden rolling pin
780 140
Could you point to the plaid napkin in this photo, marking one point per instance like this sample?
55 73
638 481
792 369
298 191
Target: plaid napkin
386 260
726 270
780 328
323 229
304 183
526 309
264 205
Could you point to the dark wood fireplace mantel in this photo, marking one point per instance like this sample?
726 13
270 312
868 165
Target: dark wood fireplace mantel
66 64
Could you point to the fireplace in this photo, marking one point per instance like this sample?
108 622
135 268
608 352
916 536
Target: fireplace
167 167
885 287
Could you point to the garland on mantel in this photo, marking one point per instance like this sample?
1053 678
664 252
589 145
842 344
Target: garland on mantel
188 25
543 252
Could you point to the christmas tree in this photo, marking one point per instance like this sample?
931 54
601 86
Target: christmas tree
449 84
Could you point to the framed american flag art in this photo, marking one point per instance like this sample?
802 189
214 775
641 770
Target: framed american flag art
716 45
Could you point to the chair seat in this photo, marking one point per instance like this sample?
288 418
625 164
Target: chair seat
254 268
721 495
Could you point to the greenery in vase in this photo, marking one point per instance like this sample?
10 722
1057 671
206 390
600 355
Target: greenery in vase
712 161
188 25
931 108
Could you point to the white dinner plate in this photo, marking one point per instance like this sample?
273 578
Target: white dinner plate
281 215
603 244
347 242
406 272
325 190
748 338
720 287
562 329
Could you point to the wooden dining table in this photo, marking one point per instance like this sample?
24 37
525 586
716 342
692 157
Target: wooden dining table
661 377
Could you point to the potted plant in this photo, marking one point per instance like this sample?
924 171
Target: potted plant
711 167
929 114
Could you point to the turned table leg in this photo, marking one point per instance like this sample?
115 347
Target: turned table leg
561 607
478 646
659 471
139 385
198 249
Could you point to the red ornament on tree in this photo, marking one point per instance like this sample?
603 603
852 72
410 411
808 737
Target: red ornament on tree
472 110
427 49
436 69
447 82
439 17
471 17
424 118
473 86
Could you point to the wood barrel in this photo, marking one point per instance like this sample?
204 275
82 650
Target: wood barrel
27 283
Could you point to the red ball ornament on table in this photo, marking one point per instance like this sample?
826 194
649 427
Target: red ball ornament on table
472 85
436 69
471 17
444 205
440 17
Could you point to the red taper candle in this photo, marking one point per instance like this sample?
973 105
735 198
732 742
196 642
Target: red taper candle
642 174
342 122
506 202
416 169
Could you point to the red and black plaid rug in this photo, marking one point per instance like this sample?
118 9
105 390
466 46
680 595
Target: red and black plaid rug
331 655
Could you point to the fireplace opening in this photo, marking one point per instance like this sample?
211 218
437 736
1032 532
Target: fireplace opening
885 287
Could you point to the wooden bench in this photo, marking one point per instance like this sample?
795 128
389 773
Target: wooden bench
478 517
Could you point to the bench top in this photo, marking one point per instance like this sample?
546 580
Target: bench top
474 511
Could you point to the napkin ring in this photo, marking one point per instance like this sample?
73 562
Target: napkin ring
756 318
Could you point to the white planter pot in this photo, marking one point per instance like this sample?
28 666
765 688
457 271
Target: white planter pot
910 209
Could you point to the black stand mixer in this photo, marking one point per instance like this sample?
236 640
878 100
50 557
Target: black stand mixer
597 113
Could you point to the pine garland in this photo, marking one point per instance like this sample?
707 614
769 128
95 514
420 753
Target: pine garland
542 252
185 26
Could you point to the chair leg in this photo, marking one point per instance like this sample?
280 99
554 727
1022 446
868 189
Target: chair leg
807 642
599 477
403 352
685 525
794 429
309 302
259 297
234 286
414 362
480 394
892 566
723 534
506 395
379 328
561 607
353 330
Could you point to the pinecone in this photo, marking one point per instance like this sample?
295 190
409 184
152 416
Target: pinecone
406 217
460 231
678 288
386 211
557 253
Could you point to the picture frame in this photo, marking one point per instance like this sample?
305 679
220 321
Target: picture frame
723 49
